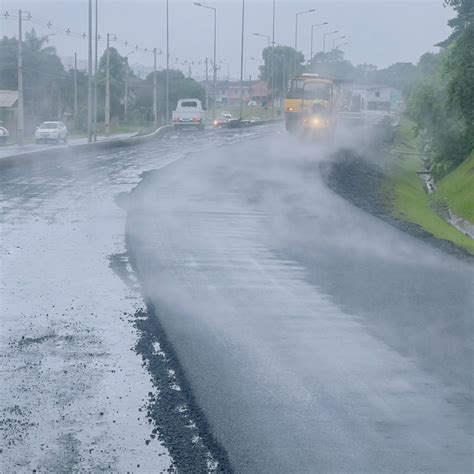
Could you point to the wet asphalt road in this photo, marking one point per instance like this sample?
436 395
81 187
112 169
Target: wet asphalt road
315 337
74 393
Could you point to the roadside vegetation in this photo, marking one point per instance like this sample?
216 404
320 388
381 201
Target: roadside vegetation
437 135
407 199
49 89
457 189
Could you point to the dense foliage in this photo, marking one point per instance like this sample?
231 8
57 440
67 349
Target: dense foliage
442 104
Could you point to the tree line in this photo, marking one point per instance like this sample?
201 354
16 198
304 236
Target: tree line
442 101
49 86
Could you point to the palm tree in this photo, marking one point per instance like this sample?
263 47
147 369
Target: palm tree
36 43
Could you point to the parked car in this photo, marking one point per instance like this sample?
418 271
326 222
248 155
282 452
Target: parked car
51 132
189 113
223 120
4 134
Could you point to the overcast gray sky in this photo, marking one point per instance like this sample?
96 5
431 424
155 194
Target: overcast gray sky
380 32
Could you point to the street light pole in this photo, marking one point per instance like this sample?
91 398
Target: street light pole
207 84
95 67
155 94
312 35
273 60
324 38
335 39
242 61
167 62
89 84
75 86
214 77
296 34
264 36
20 112
107 88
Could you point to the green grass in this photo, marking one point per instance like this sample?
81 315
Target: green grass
457 189
410 202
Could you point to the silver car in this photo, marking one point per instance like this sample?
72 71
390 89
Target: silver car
51 132
3 135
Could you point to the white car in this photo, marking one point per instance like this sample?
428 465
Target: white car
51 132
188 114
4 134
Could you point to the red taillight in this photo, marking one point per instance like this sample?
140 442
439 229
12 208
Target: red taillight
195 119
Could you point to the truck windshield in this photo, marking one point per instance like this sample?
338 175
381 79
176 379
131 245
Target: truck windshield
188 104
309 90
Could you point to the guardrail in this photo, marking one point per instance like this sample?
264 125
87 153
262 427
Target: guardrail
19 158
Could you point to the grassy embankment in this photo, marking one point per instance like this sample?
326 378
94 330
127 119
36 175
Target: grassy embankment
411 203
457 189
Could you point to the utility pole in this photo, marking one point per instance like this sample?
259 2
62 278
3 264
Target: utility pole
283 84
75 86
242 61
207 85
95 68
20 118
214 79
127 73
167 62
107 88
273 62
155 94
89 85
125 112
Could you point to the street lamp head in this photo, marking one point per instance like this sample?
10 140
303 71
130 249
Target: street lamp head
198 4
306 11
336 31
325 23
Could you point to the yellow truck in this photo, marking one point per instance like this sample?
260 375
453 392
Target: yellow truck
311 105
